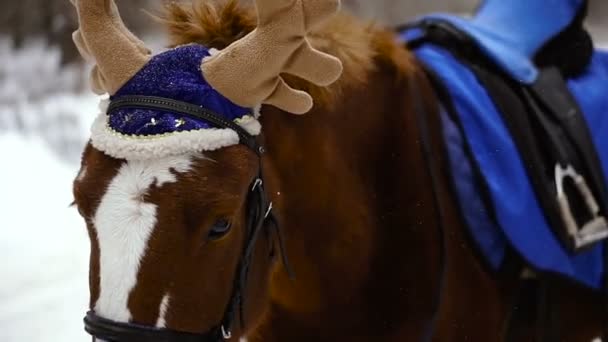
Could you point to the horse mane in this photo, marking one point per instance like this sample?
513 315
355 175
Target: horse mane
361 46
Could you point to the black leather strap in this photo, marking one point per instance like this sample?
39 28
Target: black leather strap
117 332
605 311
422 121
548 310
550 89
165 104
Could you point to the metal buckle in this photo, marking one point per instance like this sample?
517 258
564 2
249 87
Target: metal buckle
592 231
226 334
258 182
268 210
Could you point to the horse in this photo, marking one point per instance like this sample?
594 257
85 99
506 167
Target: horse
197 242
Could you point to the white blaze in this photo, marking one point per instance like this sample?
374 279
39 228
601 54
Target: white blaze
82 173
124 224
164 305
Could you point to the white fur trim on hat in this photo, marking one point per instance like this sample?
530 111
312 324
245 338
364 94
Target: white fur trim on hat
122 146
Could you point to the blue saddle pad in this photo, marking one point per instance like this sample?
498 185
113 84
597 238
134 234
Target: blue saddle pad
483 156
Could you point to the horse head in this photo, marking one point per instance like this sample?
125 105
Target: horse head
172 185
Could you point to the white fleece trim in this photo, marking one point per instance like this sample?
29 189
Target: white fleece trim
213 52
250 124
257 111
123 146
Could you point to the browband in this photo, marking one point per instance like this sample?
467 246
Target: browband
185 108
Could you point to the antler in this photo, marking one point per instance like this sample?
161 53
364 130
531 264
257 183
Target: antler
103 39
248 72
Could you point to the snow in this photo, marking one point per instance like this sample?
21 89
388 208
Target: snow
44 246
44 124
37 97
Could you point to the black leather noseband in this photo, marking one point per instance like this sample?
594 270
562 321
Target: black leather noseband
259 216
108 330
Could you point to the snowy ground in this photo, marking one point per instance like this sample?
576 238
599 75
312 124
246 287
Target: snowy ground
44 247
43 242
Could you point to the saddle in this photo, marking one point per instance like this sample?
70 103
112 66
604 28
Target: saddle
525 117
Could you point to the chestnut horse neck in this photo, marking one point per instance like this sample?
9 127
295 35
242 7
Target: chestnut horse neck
347 180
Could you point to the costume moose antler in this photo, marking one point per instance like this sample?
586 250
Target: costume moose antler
248 72
103 39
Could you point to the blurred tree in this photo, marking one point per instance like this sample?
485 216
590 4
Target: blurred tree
55 20
394 12
598 13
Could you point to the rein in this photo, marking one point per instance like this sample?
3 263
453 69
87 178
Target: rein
259 216
426 147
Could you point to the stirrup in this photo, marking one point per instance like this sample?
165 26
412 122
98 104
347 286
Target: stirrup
596 229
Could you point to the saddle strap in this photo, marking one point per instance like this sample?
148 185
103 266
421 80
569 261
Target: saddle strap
551 139
550 133
567 141
551 90
423 123
554 141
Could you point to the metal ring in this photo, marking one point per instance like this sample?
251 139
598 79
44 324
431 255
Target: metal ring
226 334
268 210
258 182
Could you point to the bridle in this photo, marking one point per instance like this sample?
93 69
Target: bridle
259 215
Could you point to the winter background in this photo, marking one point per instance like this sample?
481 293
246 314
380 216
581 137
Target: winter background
45 113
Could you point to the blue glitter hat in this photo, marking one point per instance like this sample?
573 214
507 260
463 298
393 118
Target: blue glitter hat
248 72
176 74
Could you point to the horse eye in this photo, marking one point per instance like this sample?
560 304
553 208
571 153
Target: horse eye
219 229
